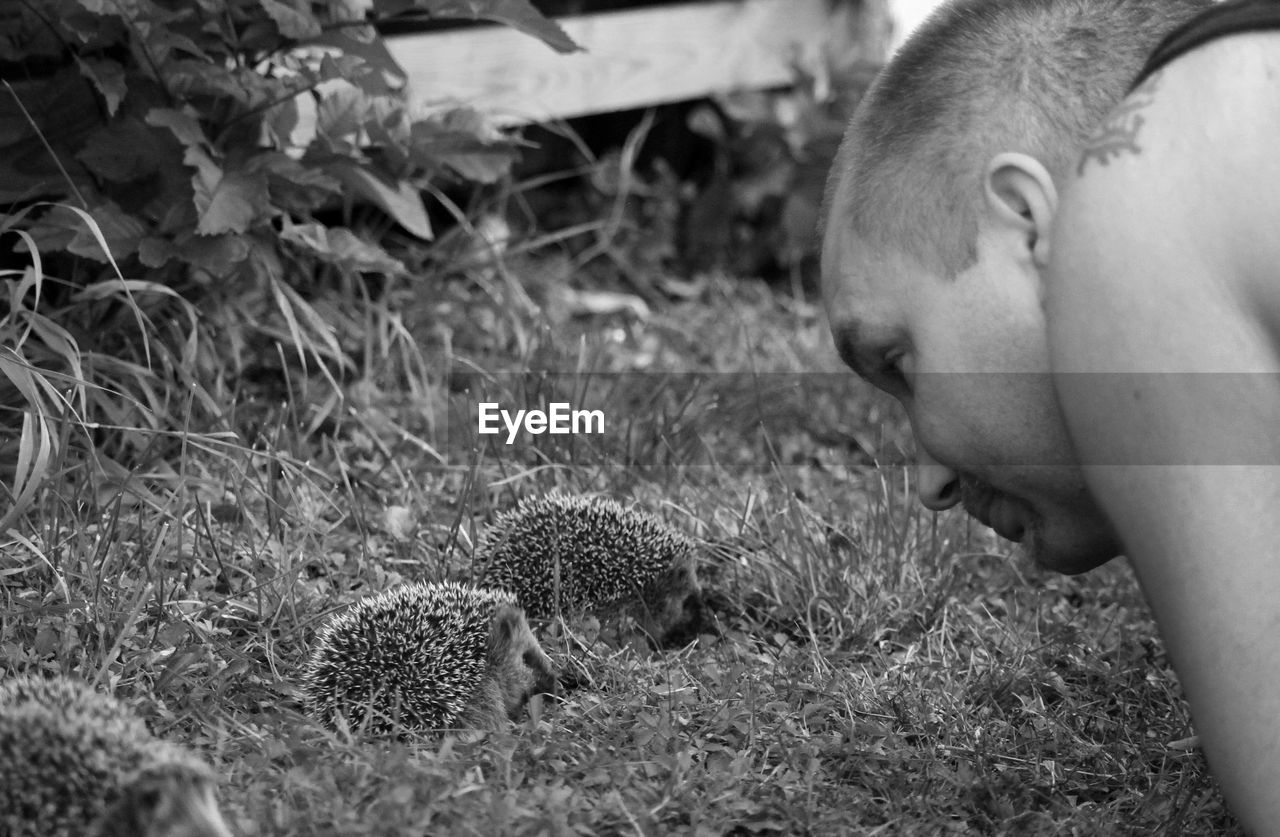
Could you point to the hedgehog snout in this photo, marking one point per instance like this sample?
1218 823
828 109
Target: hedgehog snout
689 623
519 666
695 612
169 801
545 681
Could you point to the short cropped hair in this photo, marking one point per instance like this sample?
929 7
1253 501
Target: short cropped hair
977 78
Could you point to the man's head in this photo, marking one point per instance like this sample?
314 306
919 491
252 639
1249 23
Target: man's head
937 233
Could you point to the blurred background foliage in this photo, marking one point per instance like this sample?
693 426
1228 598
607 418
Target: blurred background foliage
212 206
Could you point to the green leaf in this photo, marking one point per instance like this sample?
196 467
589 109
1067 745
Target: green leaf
218 255
90 32
401 201
208 171
280 121
123 151
340 115
143 11
65 228
231 204
518 14
465 142
23 35
185 124
293 186
162 40
381 73
66 111
342 248
121 230
155 251
113 287
293 24
108 77
189 77
35 449
370 78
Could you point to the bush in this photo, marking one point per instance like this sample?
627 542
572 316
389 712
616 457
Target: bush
182 177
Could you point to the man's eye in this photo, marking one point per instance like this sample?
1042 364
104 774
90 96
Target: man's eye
893 375
891 369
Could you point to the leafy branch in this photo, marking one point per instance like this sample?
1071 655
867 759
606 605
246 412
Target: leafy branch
164 145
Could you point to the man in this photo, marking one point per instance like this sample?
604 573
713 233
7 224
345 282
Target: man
1041 292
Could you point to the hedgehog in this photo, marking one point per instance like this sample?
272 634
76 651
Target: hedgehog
571 555
74 761
426 656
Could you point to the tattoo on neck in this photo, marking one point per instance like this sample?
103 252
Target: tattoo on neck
1119 131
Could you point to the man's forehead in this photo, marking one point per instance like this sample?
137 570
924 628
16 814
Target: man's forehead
858 290
854 268
863 290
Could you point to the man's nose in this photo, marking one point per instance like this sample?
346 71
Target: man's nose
939 486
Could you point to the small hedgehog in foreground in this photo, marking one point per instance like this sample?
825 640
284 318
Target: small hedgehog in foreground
426 656
573 554
74 762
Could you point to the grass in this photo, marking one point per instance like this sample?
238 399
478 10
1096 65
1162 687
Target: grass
879 669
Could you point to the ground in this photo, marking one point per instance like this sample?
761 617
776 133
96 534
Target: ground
876 668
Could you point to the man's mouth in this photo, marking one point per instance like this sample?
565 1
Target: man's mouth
992 509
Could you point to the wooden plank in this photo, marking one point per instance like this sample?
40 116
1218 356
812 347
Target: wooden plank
633 58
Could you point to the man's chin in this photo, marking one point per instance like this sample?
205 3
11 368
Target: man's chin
1071 552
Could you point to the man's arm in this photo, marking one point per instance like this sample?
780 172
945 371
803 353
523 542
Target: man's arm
1166 263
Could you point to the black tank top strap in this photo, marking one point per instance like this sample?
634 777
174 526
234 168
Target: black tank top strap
1226 18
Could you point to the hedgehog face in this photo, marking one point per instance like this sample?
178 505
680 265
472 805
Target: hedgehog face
517 663
165 800
671 611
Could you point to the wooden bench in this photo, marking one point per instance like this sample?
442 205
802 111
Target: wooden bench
638 57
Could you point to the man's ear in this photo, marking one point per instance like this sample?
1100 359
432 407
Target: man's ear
1020 194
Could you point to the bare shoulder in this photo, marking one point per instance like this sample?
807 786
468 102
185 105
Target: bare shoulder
1231 83
1177 194
1165 258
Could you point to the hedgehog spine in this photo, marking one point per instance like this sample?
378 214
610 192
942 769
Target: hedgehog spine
76 761
572 554
424 656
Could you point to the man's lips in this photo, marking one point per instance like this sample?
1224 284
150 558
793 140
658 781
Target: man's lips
993 510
